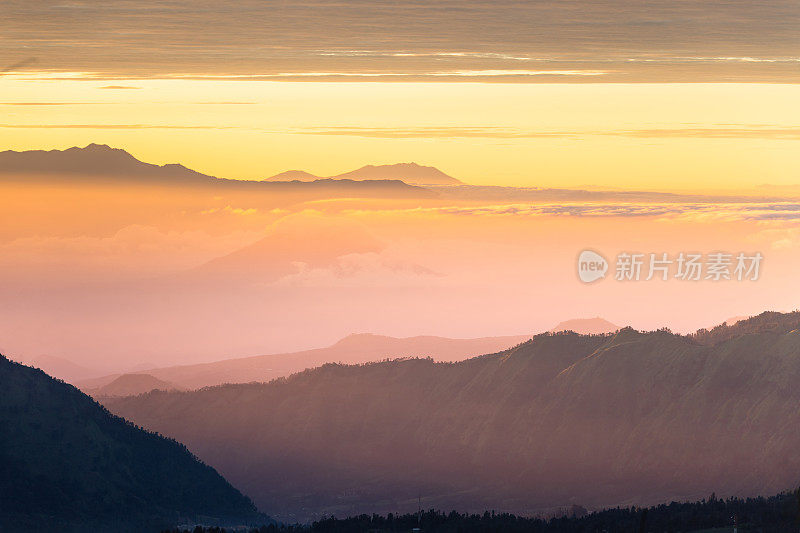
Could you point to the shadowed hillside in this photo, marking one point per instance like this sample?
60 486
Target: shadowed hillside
563 418
66 464
765 322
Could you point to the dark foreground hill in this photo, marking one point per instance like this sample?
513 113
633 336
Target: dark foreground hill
629 418
66 464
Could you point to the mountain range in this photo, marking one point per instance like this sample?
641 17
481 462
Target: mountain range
102 164
597 420
353 349
411 173
95 162
67 464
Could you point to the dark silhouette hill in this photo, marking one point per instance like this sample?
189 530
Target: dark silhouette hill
67 464
353 349
604 420
410 173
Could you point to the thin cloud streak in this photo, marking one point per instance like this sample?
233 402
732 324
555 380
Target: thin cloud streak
488 132
731 212
755 132
114 126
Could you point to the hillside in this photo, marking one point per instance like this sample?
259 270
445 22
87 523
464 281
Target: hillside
353 349
628 418
66 464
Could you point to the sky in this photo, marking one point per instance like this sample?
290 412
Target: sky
656 96
705 137
691 97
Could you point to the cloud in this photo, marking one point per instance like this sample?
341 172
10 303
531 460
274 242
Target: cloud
371 269
641 41
723 132
119 87
233 211
46 103
715 133
762 212
115 126
135 250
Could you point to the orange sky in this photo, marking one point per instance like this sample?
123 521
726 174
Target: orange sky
687 137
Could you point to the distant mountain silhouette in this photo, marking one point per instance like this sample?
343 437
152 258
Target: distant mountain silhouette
316 243
66 464
411 173
734 319
131 385
294 175
602 420
99 163
95 161
60 367
354 349
586 326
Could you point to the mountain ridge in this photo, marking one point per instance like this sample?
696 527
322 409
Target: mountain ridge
355 348
597 420
102 164
67 464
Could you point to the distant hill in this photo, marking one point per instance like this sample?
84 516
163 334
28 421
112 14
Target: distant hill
294 175
60 367
99 163
596 420
354 349
586 326
132 384
408 172
411 173
95 161
66 464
